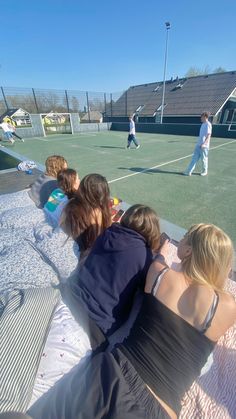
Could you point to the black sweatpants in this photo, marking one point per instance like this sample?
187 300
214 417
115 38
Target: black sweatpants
104 387
15 135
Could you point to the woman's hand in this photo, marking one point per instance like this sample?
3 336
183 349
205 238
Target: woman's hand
165 248
161 254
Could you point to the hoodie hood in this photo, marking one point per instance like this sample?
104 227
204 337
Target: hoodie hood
114 270
118 238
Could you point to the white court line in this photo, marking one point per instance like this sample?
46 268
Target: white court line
165 164
93 134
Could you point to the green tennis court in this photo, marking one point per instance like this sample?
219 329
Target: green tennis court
152 174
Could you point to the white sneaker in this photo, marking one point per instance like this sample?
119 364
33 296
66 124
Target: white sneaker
22 140
204 174
138 146
12 141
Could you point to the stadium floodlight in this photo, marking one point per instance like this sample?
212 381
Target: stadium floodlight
165 65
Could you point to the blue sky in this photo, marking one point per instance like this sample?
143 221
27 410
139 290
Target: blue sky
110 45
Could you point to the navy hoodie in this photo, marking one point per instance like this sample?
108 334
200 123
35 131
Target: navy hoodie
115 268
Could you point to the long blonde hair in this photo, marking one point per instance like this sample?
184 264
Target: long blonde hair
211 256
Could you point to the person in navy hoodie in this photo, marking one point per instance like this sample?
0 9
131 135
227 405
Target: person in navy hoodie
102 293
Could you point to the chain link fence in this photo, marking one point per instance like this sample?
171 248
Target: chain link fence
91 106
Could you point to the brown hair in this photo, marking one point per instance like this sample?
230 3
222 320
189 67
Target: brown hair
54 164
145 221
66 181
88 213
205 114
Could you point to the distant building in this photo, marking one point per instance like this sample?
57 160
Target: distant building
16 116
95 116
185 100
53 118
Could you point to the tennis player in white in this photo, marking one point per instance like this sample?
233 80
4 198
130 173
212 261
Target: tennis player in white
131 136
202 147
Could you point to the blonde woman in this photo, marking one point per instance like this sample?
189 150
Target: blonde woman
182 316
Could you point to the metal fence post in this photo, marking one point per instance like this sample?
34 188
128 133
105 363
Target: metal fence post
35 101
111 103
88 106
4 98
67 102
105 104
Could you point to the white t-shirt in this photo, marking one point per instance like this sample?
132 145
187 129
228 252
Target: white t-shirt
132 127
11 128
205 129
5 126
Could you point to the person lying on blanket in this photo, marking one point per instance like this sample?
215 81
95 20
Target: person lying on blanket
102 292
68 182
47 182
183 315
88 214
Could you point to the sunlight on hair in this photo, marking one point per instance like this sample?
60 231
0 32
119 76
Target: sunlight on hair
211 258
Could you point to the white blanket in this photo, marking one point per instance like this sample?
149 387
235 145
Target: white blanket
15 200
32 253
66 345
35 255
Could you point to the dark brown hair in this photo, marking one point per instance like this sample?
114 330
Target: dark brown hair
66 181
54 164
145 221
88 213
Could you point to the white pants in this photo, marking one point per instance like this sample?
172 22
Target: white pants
199 154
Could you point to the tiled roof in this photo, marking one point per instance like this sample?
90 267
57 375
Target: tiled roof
197 94
9 113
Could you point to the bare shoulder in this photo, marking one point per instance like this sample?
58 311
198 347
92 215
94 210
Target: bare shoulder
226 298
155 268
226 311
224 318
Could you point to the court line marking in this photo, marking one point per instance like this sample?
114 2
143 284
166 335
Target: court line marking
165 164
63 137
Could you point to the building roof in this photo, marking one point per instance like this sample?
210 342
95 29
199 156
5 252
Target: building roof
11 112
94 116
185 96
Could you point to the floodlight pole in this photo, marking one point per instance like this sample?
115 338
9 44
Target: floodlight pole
165 65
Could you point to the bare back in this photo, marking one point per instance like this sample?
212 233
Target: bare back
192 302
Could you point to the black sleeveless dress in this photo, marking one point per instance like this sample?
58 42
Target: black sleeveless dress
162 351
